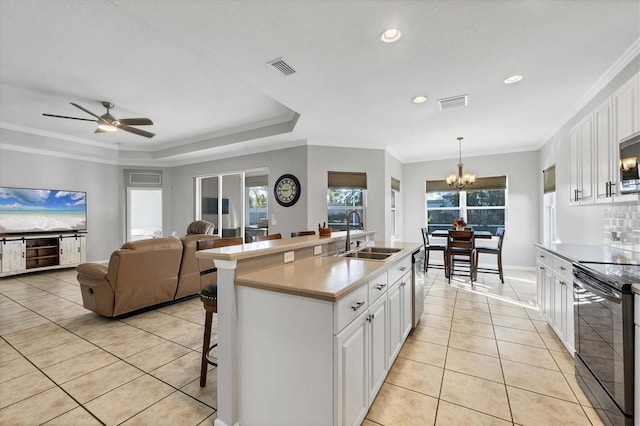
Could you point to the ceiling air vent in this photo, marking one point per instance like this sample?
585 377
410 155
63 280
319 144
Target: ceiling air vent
282 66
145 178
454 102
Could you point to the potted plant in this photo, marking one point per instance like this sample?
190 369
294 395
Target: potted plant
459 224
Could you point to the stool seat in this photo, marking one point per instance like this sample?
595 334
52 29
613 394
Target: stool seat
210 291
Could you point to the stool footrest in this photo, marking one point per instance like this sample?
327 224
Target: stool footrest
207 357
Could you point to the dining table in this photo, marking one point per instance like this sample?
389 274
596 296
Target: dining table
476 234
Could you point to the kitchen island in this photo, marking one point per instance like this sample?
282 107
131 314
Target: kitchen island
308 341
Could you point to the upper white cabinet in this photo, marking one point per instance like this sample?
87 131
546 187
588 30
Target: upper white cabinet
594 168
581 163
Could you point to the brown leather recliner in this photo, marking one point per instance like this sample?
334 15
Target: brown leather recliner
189 276
140 274
200 227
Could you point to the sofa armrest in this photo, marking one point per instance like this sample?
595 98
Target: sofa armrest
93 271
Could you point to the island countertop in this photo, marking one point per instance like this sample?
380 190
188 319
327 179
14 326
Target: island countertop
324 277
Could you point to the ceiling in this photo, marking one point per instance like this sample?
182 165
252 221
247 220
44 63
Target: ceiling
200 70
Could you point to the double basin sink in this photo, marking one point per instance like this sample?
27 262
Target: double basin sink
371 253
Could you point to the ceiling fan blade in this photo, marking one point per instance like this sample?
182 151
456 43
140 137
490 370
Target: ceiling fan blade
136 121
86 110
136 131
71 118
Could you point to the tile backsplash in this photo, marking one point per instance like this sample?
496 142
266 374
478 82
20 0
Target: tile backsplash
622 226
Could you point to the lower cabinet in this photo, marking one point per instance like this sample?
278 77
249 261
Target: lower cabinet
555 295
12 256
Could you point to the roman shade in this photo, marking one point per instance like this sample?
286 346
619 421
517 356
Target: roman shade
549 179
347 180
262 180
395 184
481 183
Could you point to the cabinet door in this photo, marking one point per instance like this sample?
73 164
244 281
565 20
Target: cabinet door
378 345
13 256
625 104
352 366
557 307
574 165
605 173
585 191
406 305
567 315
68 251
395 323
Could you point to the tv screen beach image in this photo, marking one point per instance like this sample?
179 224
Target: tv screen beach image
40 210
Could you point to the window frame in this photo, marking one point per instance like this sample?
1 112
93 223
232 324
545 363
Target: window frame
361 209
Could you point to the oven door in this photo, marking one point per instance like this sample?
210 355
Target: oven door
602 343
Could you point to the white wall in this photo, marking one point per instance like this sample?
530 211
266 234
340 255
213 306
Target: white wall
523 192
102 182
322 159
577 224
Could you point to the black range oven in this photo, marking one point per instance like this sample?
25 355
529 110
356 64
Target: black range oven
604 337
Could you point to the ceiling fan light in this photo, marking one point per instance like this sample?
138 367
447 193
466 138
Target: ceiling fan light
107 127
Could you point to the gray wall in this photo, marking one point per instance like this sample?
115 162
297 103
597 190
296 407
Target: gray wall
322 159
522 202
577 224
102 182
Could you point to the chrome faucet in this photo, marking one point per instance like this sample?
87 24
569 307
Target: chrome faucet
347 246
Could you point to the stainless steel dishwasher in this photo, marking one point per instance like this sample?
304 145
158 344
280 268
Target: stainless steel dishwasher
417 273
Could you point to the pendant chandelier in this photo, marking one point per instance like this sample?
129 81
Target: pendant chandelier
460 180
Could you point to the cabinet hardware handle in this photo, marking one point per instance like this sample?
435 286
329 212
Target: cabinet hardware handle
402 284
562 283
357 306
611 186
541 267
562 268
403 268
380 286
542 255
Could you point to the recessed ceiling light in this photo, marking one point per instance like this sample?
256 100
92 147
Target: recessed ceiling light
419 99
513 79
390 35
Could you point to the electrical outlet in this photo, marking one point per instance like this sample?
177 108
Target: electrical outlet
317 250
288 256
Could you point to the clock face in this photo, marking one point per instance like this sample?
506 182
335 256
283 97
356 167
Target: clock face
287 190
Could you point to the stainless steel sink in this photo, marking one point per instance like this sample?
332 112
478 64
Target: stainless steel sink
379 250
366 255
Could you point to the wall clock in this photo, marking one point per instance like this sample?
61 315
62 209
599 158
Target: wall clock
287 190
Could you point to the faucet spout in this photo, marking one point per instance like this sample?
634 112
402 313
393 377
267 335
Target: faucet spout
347 246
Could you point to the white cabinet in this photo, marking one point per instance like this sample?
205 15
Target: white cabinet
555 295
378 332
581 162
352 366
606 170
406 307
395 323
12 256
72 250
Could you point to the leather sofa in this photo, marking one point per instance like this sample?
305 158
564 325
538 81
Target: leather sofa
140 274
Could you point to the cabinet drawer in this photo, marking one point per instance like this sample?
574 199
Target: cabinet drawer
398 269
544 257
377 287
349 307
563 268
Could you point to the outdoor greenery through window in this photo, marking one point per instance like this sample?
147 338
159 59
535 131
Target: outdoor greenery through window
483 208
339 202
258 213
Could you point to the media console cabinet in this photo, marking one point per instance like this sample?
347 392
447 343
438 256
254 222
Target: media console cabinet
20 254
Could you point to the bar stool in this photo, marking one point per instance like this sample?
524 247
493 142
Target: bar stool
209 297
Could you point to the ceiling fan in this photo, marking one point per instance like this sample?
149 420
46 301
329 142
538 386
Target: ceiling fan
108 123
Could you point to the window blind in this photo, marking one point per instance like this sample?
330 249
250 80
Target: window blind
549 179
347 180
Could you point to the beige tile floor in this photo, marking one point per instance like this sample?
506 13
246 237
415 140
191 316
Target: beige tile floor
481 355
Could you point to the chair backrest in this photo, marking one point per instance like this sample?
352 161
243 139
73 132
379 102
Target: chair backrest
500 235
277 236
461 240
200 227
425 237
218 242
207 274
302 233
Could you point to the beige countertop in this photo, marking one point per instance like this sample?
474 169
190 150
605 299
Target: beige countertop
324 277
636 289
596 253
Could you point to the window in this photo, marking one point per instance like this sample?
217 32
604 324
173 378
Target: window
346 191
258 212
483 205
395 190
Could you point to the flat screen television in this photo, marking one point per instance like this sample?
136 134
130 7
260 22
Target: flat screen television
210 205
27 210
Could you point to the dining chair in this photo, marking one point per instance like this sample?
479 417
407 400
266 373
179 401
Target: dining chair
461 249
493 250
277 236
302 233
209 297
428 248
